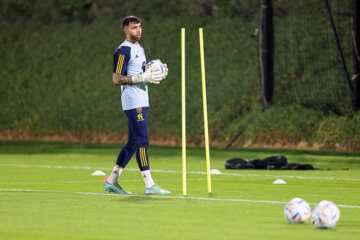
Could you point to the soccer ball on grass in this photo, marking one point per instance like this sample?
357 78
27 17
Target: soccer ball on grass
297 210
325 215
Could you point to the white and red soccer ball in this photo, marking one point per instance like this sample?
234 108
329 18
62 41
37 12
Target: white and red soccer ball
297 210
157 65
325 215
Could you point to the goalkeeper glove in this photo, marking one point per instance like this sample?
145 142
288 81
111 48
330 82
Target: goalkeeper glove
166 70
162 67
149 76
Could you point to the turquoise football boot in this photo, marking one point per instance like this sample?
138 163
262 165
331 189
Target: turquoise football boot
155 189
115 189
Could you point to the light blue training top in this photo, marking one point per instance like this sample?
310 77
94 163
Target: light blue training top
130 60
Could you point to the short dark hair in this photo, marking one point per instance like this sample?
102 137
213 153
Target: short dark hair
130 19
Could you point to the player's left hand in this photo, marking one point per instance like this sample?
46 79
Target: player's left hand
166 70
158 68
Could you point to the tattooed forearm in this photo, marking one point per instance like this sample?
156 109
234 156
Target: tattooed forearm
121 80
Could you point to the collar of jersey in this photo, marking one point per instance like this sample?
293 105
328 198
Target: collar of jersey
136 44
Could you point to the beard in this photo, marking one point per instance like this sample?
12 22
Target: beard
135 38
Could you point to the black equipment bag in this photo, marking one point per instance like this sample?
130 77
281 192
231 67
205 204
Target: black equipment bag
297 166
275 162
271 163
235 163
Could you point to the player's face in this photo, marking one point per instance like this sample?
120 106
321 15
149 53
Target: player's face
133 32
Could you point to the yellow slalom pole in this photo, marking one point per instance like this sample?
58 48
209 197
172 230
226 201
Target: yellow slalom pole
183 120
206 132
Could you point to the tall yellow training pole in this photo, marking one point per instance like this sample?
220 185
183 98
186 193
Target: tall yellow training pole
206 132
183 115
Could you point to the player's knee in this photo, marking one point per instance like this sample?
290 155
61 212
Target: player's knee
131 144
143 141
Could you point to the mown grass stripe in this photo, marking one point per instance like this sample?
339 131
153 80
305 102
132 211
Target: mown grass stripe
167 197
179 172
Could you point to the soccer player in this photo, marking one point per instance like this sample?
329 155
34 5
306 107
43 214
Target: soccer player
129 73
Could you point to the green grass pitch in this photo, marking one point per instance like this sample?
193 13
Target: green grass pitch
47 192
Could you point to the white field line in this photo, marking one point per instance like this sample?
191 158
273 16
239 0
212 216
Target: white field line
165 197
172 171
41 183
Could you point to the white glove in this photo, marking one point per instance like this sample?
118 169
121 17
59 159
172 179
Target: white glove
160 67
166 70
148 76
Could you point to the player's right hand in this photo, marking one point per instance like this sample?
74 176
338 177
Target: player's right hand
148 76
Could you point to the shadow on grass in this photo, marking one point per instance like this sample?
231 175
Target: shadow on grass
141 199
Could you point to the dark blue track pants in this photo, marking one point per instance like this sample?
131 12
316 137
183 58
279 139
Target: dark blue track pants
138 139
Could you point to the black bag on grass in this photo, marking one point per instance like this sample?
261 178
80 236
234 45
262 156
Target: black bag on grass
273 162
270 163
235 163
258 164
297 166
